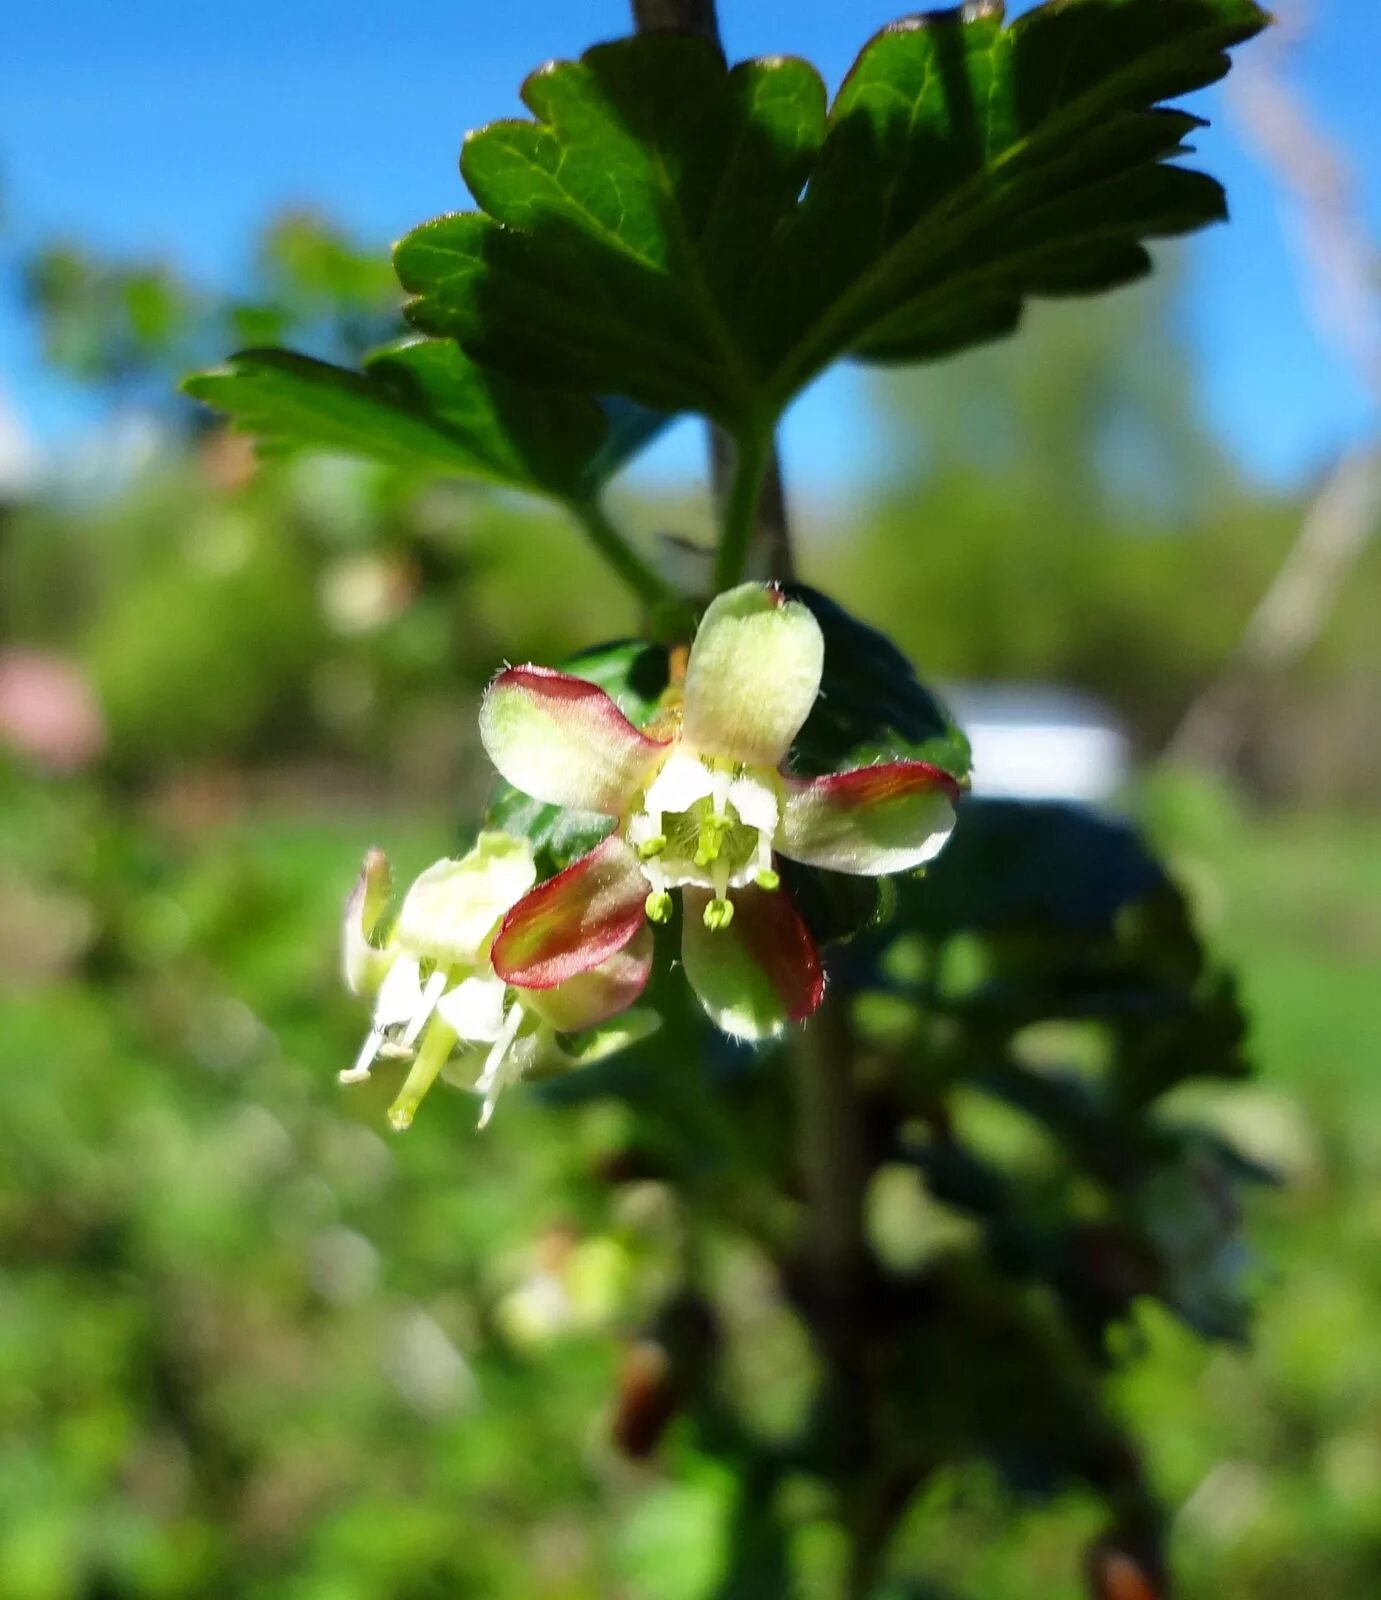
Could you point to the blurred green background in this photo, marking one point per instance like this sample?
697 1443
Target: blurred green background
252 1345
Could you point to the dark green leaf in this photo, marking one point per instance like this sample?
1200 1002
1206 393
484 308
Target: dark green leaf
709 239
424 405
872 706
631 216
1012 864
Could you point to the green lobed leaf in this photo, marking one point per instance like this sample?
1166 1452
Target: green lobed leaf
1014 864
708 239
422 404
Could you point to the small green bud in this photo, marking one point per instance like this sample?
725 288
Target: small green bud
658 906
719 914
769 880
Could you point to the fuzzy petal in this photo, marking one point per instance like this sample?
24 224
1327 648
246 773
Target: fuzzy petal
760 972
474 1008
401 995
871 821
365 963
574 921
564 741
753 675
593 997
681 781
451 910
401 998
756 802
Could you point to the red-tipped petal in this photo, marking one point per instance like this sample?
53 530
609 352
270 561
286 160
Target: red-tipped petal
760 972
564 740
574 921
753 675
590 998
871 821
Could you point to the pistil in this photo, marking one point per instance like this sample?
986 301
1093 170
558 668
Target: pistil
437 1044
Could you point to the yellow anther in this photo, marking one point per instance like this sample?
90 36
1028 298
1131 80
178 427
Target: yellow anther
658 906
652 847
719 914
767 879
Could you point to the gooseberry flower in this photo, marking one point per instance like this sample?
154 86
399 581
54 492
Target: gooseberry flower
702 804
435 990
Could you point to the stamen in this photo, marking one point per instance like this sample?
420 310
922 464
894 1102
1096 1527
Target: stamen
658 906
431 1057
720 878
491 1079
432 991
768 878
359 1073
652 847
719 914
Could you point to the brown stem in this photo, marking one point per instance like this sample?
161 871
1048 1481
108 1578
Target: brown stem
836 1272
831 1149
678 16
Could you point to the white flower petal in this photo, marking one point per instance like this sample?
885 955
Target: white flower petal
683 780
400 994
363 962
474 1008
756 802
454 906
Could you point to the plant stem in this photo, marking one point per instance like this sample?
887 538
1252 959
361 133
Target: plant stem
678 16
833 1161
642 578
739 511
773 524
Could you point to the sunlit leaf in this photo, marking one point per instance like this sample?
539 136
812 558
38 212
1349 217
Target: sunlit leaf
707 239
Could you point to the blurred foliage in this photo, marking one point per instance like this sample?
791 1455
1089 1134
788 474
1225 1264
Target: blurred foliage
250 1347
1067 518
137 326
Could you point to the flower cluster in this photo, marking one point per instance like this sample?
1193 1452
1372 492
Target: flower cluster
437 998
702 804
484 961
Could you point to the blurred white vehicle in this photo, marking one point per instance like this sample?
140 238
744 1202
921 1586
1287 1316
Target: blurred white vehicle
1038 742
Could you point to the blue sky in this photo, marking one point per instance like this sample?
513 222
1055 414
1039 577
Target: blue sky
168 128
